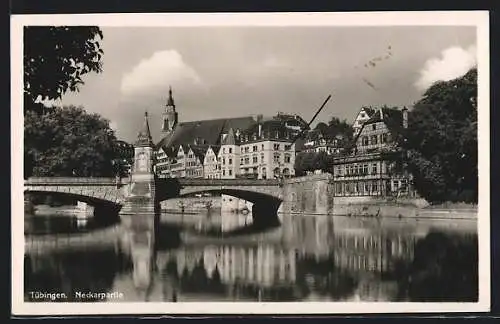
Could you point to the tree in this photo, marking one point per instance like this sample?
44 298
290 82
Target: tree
68 141
56 59
441 140
312 161
335 128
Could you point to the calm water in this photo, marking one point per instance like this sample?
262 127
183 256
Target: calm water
303 258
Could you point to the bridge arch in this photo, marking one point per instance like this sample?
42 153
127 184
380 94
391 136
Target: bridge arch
265 205
91 198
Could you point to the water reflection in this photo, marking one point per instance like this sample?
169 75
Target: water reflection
306 258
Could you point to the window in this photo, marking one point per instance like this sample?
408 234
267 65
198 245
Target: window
375 187
247 160
367 188
374 139
364 141
230 150
262 157
374 168
255 159
374 126
230 172
404 185
276 158
276 147
223 172
287 158
385 138
223 160
230 161
262 147
338 188
365 169
288 147
223 150
254 148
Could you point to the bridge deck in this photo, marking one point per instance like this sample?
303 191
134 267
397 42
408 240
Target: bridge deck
182 181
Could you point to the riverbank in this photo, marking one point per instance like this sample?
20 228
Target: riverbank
398 210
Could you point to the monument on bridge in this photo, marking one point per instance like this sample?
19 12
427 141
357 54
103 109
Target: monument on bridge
141 208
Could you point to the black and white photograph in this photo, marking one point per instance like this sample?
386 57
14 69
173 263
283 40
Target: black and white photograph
280 163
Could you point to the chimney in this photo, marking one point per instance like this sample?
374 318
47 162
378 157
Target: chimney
260 130
405 117
259 118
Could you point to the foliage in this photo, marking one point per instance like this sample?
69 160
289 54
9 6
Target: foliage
68 141
335 128
56 59
312 161
441 140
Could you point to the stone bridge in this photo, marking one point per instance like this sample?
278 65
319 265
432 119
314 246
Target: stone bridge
111 190
235 187
308 194
89 190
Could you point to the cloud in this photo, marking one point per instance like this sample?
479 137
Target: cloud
453 63
152 76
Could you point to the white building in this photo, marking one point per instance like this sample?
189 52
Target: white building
194 162
211 165
229 155
267 151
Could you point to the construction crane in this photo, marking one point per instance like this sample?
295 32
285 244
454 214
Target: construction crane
301 133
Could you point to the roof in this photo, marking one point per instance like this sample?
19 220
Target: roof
368 110
392 118
208 130
269 129
229 139
215 148
199 151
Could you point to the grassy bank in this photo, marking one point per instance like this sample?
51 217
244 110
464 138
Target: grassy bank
452 206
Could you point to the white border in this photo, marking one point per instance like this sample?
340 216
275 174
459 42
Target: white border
450 18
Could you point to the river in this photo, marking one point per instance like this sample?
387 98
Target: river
302 258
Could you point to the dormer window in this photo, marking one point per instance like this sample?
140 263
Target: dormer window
374 126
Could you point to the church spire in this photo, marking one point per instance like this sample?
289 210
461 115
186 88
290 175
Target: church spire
170 116
144 137
170 101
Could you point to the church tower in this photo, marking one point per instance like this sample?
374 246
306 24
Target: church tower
169 116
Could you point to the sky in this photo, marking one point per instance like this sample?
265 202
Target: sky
218 72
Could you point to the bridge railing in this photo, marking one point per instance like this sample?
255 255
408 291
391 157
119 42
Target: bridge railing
228 182
182 181
71 180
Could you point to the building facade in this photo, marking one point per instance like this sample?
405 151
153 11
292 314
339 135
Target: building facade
375 168
268 150
364 114
211 165
229 155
